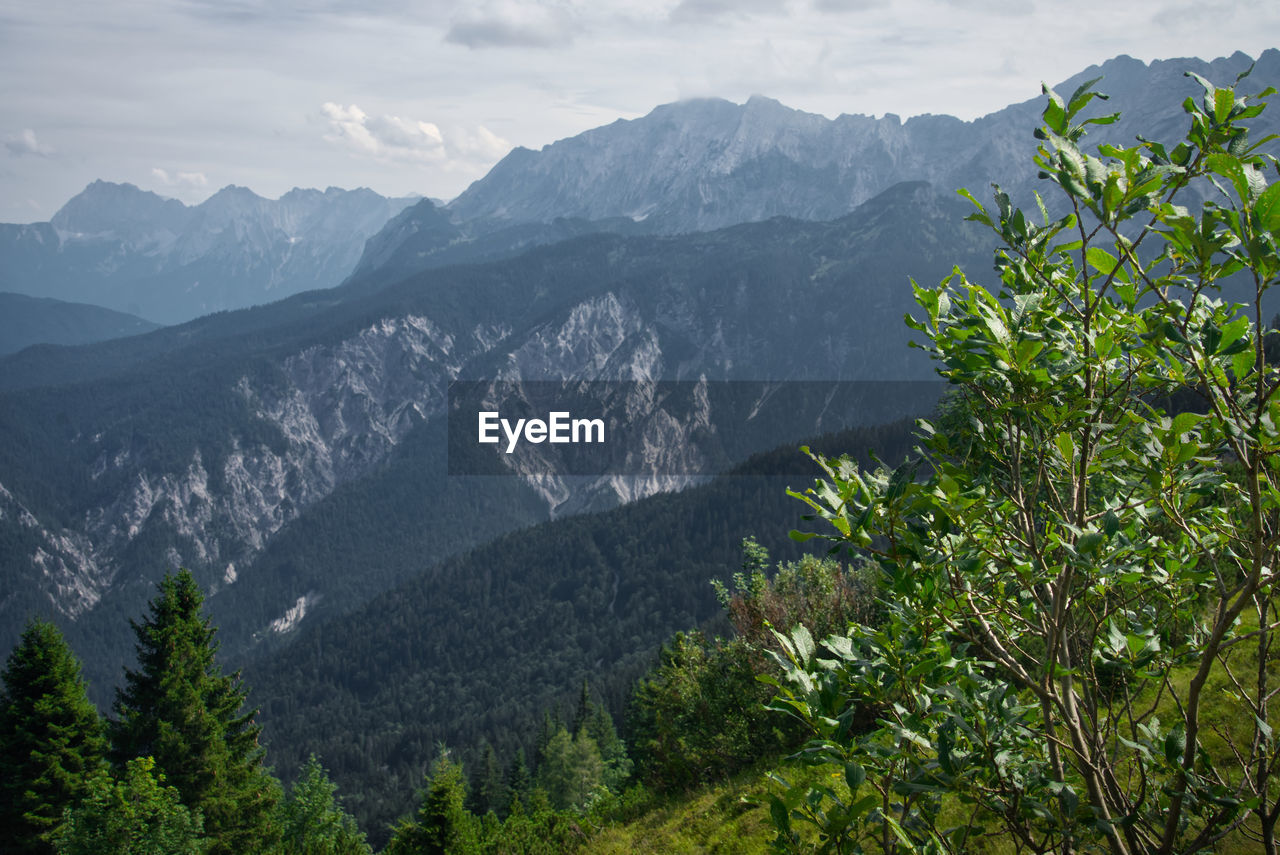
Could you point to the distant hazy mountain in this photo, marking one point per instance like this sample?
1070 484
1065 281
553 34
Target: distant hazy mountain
704 164
130 250
273 458
292 455
25 321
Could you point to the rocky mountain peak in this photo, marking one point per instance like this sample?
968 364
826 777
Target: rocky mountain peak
131 250
107 208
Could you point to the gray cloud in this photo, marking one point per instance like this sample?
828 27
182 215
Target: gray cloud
26 143
703 10
231 88
293 11
507 23
849 5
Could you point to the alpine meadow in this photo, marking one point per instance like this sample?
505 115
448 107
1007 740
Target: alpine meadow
480 526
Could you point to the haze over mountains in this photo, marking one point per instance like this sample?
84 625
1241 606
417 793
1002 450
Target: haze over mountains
689 166
133 251
704 164
292 454
25 321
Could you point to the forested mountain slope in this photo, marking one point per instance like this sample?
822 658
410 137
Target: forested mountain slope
478 647
25 321
203 457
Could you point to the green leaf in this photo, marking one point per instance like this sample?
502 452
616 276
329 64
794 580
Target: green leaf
1091 542
1027 350
1242 363
864 804
1223 101
1183 423
854 775
1230 168
1267 209
1172 333
1083 95
803 642
1105 263
1055 114
781 816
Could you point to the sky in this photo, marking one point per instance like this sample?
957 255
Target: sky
183 97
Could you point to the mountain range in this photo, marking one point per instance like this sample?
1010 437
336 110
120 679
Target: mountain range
221 443
689 166
294 455
130 250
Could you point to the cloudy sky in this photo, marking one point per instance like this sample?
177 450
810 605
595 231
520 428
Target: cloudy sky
423 96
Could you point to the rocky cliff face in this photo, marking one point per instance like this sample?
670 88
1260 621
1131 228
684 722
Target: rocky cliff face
288 429
310 399
341 409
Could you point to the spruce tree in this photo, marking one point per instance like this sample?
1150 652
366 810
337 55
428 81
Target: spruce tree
572 772
51 738
486 792
613 751
593 720
517 780
443 825
179 708
584 709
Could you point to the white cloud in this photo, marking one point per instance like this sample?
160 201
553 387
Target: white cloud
514 23
482 143
384 137
181 179
703 10
392 138
26 143
82 75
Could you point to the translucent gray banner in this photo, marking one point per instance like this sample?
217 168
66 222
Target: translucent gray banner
551 428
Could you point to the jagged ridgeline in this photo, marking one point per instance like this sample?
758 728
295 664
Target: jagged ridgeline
294 455
292 466
133 251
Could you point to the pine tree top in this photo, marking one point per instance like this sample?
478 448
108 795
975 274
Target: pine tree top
179 708
51 737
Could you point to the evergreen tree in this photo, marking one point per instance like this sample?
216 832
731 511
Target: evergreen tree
593 720
486 784
571 772
50 738
443 825
313 823
599 726
518 780
583 710
550 725
139 815
179 708
535 828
